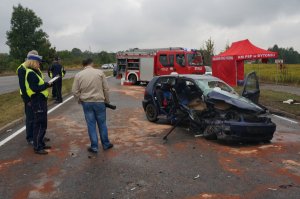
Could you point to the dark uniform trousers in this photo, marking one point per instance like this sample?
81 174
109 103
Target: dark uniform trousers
57 86
39 107
29 121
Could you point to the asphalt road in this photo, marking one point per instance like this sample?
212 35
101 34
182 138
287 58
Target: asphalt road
11 83
141 165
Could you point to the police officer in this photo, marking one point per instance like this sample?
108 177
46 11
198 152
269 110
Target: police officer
37 90
57 70
21 72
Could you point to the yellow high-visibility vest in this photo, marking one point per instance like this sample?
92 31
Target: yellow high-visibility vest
22 65
41 82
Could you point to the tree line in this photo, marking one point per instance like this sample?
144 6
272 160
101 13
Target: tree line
26 34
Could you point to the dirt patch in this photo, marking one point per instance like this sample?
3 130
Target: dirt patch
8 163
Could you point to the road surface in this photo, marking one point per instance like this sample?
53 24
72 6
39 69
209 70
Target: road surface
141 165
281 88
11 83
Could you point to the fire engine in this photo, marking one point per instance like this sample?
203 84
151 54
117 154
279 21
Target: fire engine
141 65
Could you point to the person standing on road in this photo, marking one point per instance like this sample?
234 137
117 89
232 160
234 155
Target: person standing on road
57 69
90 88
37 90
21 72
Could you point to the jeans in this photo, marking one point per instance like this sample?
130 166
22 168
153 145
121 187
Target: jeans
29 121
95 112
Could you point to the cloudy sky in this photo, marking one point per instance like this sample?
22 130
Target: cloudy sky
114 25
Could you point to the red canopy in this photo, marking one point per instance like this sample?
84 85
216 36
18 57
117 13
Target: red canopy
229 65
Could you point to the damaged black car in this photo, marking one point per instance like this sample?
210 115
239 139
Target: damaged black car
209 106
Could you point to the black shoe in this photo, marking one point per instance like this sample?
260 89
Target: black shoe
47 147
46 139
41 152
58 101
92 150
30 142
109 147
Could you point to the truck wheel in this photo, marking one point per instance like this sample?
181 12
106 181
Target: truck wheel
133 79
209 133
151 113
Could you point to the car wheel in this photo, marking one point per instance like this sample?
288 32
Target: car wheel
132 78
209 133
151 113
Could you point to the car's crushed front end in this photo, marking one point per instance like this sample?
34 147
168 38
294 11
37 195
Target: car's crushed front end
237 118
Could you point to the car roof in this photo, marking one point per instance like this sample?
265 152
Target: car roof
195 77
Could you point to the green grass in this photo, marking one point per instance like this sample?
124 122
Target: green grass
274 99
269 73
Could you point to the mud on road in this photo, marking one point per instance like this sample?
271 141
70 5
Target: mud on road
141 165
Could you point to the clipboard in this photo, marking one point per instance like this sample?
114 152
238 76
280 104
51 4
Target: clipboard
53 79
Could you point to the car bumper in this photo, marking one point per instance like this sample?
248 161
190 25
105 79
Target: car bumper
246 131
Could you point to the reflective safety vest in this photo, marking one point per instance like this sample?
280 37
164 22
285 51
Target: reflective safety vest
41 82
17 73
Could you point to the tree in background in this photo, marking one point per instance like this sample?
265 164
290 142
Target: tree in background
289 55
208 51
25 34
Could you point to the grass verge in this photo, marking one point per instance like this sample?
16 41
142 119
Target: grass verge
274 99
12 107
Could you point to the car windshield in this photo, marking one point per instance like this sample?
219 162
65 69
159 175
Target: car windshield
194 59
208 85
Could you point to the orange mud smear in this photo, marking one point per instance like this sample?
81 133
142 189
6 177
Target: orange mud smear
214 196
132 91
8 163
135 133
230 165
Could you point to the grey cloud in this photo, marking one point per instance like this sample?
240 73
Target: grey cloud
121 24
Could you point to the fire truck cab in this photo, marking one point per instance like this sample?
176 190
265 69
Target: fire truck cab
141 65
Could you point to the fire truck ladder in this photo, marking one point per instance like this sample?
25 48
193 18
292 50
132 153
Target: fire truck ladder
137 51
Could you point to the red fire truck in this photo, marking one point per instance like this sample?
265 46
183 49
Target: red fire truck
141 65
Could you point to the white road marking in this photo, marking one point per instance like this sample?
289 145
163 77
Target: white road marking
286 119
24 127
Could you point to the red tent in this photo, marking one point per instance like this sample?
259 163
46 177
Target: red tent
229 65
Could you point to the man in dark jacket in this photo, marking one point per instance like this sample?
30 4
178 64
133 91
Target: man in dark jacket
57 70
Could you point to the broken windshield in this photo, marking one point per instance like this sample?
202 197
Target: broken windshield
208 85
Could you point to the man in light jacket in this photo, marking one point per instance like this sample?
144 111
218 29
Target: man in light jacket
90 88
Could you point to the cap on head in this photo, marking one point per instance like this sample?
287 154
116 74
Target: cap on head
33 55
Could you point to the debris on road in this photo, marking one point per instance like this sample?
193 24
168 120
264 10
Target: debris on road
132 188
272 189
196 177
290 101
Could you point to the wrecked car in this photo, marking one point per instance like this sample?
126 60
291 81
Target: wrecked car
210 106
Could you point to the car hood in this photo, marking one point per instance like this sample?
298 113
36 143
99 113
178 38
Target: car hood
234 100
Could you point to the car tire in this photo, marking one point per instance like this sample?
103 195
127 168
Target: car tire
209 134
133 79
151 113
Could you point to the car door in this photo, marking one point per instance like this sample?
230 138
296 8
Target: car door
251 87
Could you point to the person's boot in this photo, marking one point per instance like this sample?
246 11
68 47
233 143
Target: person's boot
41 152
